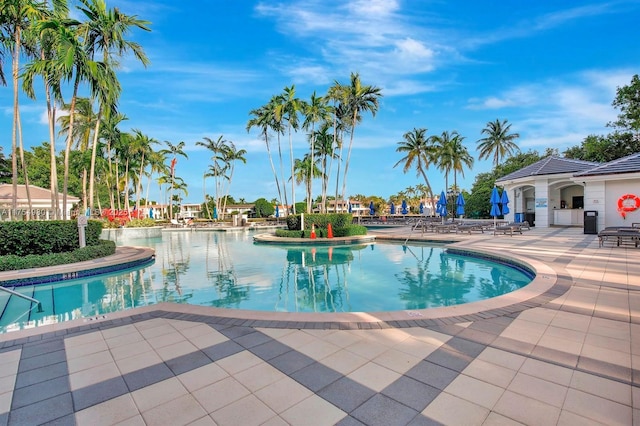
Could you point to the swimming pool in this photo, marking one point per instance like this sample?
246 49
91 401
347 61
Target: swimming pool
227 270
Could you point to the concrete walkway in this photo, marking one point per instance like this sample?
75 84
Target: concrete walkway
569 355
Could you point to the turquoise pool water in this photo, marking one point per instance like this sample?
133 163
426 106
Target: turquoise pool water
227 270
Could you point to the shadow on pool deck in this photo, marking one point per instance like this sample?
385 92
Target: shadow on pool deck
568 356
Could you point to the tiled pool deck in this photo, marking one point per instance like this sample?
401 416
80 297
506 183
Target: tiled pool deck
568 354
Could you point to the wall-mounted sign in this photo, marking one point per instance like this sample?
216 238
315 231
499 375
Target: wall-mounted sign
541 203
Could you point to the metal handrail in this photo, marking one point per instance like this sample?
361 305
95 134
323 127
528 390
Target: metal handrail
31 299
418 223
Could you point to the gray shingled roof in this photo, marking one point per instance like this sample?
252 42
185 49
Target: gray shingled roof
628 164
550 166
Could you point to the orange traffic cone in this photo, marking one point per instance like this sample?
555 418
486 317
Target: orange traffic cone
313 232
329 231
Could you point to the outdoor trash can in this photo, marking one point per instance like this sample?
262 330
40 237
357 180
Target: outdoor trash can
590 222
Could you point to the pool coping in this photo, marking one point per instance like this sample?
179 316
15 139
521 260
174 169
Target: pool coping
545 287
125 257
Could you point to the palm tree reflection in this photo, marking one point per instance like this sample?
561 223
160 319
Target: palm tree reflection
430 285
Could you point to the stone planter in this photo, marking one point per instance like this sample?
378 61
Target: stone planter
117 234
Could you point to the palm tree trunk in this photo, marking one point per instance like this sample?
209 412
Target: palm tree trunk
346 164
284 192
51 114
24 170
14 135
67 150
94 151
273 167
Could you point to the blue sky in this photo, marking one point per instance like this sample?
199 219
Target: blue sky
550 68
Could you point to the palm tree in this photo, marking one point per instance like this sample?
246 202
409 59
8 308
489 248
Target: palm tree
360 98
174 151
263 118
85 121
451 155
232 155
287 109
305 171
315 111
498 143
53 93
337 93
217 170
110 133
143 148
417 151
72 63
105 31
325 151
16 18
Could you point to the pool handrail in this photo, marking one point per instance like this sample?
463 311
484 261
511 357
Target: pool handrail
31 299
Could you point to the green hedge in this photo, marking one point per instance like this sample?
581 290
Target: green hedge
43 237
347 231
320 220
14 262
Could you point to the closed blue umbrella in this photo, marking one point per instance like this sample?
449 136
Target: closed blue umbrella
277 211
421 208
372 210
393 208
215 212
460 205
350 208
495 204
405 210
442 205
504 200
150 213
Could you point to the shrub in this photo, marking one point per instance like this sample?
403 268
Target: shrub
14 262
44 237
347 231
140 223
337 220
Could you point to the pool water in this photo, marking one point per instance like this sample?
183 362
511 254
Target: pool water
228 270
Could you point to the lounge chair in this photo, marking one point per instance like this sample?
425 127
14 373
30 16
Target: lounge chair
469 227
510 229
176 224
619 235
522 225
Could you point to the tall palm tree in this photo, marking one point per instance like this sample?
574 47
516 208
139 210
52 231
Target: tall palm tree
451 155
85 120
74 64
232 155
337 94
16 18
315 111
360 98
174 151
51 78
305 171
105 31
324 149
288 109
219 164
417 152
110 133
498 143
143 145
263 118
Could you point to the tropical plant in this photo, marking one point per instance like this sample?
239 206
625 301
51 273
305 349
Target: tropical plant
287 109
315 111
174 151
417 152
359 98
498 143
264 119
